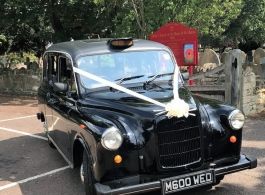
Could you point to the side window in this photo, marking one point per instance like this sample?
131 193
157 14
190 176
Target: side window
52 70
66 74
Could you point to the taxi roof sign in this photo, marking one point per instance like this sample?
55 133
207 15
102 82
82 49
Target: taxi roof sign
120 42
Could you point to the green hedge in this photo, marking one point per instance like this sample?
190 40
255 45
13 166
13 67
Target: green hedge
17 58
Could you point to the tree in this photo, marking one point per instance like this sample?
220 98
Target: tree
26 25
248 28
210 17
23 26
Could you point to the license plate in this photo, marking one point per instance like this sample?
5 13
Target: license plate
187 181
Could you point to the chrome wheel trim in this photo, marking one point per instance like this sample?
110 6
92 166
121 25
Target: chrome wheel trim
82 174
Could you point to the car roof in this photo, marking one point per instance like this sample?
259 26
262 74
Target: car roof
80 48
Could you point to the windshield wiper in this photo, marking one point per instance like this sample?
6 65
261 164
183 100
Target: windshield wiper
146 87
119 81
153 77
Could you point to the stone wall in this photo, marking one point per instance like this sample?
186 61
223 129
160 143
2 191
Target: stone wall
253 86
253 100
253 89
249 97
22 82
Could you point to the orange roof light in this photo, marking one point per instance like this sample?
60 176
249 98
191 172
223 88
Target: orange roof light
121 42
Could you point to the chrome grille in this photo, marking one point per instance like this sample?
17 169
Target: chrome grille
178 141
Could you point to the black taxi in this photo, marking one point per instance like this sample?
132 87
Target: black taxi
118 110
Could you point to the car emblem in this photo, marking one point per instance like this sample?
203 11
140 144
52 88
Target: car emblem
180 122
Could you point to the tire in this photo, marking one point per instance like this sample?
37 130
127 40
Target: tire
87 172
50 143
46 133
219 179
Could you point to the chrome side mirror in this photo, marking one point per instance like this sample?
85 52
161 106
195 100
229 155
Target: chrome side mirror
60 87
185 76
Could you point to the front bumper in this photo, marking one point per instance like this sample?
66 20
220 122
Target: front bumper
142 183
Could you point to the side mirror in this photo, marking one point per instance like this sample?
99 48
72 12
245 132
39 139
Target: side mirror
185 76
60 87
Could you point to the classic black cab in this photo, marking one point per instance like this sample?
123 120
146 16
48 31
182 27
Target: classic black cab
118 110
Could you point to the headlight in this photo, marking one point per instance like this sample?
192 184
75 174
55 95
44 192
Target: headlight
236 119
111 139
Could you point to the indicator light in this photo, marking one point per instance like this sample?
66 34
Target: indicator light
82 126
117 159
233 139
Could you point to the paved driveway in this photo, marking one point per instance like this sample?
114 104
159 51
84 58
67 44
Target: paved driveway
29 166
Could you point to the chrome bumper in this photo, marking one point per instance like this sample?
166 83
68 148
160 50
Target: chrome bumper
140 184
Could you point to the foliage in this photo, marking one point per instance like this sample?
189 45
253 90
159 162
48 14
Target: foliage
27 25
2 38
250 23
15 58
210 17
23 26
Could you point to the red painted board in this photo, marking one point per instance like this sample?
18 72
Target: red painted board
182 40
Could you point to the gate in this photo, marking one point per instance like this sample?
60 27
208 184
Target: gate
231 91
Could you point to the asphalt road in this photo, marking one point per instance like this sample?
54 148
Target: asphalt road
28 166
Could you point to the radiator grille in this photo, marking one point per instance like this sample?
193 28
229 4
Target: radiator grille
178 141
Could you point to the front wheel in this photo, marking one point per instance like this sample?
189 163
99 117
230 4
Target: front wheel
86 173
46 133
50 142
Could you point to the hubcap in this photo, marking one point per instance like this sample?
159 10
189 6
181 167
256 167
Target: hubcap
45 127
82 174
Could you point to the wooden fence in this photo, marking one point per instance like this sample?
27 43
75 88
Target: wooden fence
230 91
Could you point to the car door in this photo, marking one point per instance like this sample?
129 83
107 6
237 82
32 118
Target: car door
64 104
52 76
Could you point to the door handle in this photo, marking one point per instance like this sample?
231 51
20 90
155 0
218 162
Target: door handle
48 96
53 101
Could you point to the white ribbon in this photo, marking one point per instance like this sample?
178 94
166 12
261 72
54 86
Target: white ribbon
175 107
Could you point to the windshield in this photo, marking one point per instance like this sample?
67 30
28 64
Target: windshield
126 67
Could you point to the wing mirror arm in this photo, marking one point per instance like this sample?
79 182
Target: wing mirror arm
185 76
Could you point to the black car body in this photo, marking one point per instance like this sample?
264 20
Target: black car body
122 143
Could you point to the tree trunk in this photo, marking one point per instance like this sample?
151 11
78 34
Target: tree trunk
140 19
54 18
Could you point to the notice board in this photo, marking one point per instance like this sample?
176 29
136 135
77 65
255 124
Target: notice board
182 40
